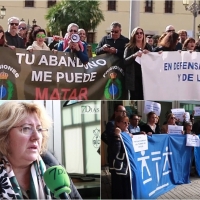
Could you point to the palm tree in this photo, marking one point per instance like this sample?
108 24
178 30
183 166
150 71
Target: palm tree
84 13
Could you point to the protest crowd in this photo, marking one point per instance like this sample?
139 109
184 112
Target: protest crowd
126 49
132 124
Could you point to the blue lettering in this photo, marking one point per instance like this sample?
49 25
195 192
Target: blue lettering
190 65
184 65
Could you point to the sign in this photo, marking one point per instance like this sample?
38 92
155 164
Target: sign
196 111
179 113
157 170
171 75
173 129
140 143
192 140
187 116
44 75
152 106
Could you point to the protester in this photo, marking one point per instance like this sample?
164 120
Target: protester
39 43
118 164
12 37
189 44
78 47
23 138
151 127
54 43
168 42
171 120
133 74
30 37
182 36
150 41
23 31
114 43
3 42
133 126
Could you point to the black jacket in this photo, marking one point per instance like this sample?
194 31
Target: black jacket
50 161
146 128
118 44
16 40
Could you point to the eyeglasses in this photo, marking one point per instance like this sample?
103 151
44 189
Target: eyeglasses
114 32
136 119
139 33
40 35
27 129
12 24
72 30
171 31
173 118
126 123
121 111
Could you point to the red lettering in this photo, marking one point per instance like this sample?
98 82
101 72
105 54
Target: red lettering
65 91
41 95
73 95
83 94
55 95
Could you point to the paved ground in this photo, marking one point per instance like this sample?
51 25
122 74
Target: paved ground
184 191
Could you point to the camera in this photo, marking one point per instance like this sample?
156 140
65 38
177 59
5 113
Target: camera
75 38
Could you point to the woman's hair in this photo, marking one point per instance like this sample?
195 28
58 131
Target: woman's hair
132 41
169 116
169 40
160 38
30 38
37 31
188 40
150 114
187 124
12 113
3 37
120 118
70 25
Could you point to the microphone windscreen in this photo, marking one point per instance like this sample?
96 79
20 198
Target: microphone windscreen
57 180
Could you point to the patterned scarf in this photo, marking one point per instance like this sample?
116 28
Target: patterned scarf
10 189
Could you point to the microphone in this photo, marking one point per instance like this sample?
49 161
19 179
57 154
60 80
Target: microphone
58 181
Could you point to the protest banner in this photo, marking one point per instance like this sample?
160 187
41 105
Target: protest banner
192 140
173 129
43 75
179 113
196 111
157 170
171 75
152 106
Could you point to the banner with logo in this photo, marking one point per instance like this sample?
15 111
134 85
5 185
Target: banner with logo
171 75
157 170
44 75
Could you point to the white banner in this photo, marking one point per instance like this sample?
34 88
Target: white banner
187 116
140 143
172 129
192 140
196 111
178 113
171 75
152 106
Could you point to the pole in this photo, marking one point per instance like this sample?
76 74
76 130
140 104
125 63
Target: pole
134 15
194 24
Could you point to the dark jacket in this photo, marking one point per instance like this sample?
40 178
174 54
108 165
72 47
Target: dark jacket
50 161
16 40
133 73
161 48
118 44
146 128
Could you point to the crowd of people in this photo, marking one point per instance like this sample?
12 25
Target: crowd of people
134 125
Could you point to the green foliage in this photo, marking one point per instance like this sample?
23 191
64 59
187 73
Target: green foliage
86 14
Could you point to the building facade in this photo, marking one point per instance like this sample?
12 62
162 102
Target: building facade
152 16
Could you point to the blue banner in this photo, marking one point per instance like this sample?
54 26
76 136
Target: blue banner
157 170
197 158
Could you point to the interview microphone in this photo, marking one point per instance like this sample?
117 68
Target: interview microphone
58 181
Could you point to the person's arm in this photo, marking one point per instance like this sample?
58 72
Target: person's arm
82 55
74 192
60 46
99 49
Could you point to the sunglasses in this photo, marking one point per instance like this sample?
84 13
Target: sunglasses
72 30
23 28
1 31
126 123
40 35
173 118
139 33
171 31
12 24
114 32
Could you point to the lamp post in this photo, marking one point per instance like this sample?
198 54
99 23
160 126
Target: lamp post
34 22
194 8
3 12
198 31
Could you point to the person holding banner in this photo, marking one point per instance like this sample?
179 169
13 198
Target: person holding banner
118 164
171 120
133 74
151 127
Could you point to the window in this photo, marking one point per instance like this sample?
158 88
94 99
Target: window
90 37
149 6
50 3
168 6
111 5
29 3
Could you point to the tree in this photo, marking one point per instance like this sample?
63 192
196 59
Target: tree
84 13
